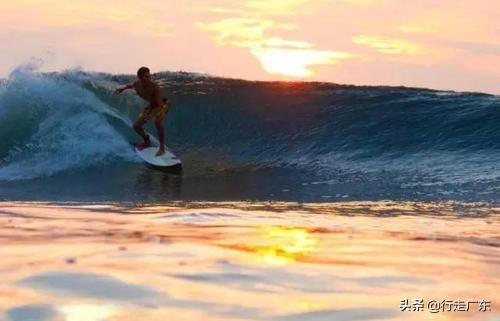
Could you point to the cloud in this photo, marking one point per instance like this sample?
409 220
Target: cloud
277 56
252 28
242 32
30 15
275 7
362 2
278 42
388 45
262 8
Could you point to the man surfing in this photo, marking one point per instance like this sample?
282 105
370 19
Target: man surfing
157 108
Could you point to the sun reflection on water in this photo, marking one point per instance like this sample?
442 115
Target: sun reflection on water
287 244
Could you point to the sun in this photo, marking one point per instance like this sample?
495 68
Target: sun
295 62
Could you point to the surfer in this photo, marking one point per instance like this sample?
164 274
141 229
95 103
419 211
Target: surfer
157 108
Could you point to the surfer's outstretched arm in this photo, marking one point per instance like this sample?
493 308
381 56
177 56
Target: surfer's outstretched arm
121 89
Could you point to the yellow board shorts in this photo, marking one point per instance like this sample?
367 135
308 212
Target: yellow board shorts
158 113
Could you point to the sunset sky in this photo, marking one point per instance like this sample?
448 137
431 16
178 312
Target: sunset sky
442 44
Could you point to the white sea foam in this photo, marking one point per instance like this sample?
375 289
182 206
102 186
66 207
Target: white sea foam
71 130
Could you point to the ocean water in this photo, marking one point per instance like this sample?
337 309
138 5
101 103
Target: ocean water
247 261
65 137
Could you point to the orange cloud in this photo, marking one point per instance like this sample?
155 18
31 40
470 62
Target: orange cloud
242 32
129 17
277 56
263 8
388 46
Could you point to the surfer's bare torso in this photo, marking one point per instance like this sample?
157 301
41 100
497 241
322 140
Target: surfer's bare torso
150 92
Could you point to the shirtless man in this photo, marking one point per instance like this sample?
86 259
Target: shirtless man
156 109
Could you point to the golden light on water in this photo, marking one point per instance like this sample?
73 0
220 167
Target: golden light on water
327 261
286 244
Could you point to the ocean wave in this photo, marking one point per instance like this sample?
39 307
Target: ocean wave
49 126
56 122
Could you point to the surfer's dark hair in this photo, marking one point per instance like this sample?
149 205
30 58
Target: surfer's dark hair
142 71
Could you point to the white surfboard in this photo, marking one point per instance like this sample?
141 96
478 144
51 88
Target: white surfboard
166 160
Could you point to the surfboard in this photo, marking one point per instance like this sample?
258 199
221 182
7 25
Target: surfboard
166 160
